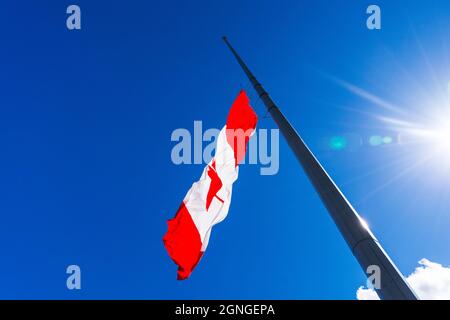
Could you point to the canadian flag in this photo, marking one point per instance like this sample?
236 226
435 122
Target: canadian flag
207 202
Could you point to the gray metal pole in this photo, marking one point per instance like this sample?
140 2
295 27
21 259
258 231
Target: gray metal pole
365 247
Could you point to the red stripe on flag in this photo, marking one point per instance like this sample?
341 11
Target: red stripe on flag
183 242
241 123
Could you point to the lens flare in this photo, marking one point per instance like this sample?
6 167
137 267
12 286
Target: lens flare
441 139
338 143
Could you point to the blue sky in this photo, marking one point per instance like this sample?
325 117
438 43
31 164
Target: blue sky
86 119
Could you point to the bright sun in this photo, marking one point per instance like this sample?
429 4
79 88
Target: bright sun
441 137
433 138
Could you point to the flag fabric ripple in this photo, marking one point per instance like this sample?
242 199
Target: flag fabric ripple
207 202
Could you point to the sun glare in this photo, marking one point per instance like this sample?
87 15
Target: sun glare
441 139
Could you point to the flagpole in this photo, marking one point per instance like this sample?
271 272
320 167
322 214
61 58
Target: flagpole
365 247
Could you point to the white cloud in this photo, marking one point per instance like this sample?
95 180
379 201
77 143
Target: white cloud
366 294
430 281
